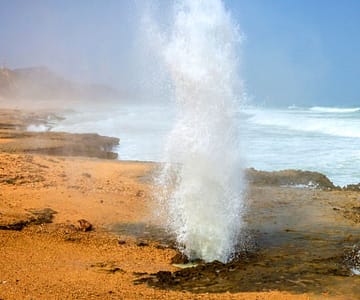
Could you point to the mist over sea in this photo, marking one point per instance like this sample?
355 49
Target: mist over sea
322 139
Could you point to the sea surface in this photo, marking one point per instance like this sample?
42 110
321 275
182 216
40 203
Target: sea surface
323 139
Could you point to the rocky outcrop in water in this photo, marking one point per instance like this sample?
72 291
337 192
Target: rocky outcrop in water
289 178
59 143
16 139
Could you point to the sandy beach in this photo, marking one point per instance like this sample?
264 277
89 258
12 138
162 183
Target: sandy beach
298 238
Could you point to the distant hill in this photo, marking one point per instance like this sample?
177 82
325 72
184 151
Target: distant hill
42 84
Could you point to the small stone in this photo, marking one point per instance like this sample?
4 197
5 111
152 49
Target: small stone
85 225
142 244
121 242
140 193
162 246
179 258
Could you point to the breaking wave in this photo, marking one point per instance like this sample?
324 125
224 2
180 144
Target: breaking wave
301 121
337 110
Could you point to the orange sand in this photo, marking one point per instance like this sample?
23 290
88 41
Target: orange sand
54 262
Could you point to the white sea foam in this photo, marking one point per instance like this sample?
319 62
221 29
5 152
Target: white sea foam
302 122
355 271
201 183
38 128
336 110
274 139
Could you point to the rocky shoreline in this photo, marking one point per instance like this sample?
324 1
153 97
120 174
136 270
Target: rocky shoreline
74 227
295 178
16 138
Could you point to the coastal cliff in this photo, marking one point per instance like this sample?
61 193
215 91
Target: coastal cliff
40 83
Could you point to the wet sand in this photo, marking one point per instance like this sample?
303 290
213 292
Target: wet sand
296 239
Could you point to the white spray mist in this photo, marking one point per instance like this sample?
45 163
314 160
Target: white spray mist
201 181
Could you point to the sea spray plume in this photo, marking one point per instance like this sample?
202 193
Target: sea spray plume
201 181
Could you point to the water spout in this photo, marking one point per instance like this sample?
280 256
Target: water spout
201 182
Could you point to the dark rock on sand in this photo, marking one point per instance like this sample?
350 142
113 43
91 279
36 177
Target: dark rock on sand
17 225
140 193
36 217
43 216
108 267
250 273
179 258
85 225
142 244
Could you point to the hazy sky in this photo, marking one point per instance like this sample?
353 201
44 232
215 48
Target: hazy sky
295 52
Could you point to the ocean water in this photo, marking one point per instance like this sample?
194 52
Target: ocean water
323 139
